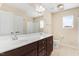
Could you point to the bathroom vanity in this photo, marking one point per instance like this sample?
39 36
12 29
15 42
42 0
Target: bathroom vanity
35 46
22 37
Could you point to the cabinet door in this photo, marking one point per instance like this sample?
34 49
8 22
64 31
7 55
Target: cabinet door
42 52
42 47
49 45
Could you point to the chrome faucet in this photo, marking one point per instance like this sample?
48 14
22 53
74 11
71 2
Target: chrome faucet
14 36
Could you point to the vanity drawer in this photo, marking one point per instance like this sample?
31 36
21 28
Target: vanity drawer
22 50
41 44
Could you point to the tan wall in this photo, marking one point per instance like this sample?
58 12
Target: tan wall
48 22
70 35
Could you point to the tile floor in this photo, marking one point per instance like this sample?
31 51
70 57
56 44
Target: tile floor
65 50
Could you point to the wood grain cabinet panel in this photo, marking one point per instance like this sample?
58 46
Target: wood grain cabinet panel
42 47
42 53
49 45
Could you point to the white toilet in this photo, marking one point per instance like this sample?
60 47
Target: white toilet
57 41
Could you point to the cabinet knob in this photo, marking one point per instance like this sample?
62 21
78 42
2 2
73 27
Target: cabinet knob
43 42
43 47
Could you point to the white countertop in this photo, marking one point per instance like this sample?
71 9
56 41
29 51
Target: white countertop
6 42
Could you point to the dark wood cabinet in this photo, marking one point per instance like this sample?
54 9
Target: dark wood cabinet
42 47
49 45
42 52
22 51
45 46
31 53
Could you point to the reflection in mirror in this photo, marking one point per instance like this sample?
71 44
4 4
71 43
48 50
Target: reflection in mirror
11 23
33 25
40 24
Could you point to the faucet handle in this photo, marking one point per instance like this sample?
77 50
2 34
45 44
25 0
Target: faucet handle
17 32
12 32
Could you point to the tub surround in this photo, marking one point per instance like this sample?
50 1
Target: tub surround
7 44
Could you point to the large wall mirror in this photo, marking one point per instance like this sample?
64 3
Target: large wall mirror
10 22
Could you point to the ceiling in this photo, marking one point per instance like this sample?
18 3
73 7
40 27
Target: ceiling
29 8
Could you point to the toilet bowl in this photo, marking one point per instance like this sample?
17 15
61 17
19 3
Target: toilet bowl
56 43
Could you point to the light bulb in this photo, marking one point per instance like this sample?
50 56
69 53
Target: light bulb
60 6
40 8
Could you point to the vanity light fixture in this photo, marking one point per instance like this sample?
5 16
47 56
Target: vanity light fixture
60 6
40 8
